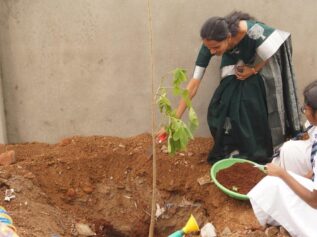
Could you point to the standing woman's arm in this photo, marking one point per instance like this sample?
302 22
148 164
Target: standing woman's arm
192 88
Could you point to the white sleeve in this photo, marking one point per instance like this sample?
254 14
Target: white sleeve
199 72
313 134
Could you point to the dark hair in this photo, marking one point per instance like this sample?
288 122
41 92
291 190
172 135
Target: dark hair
310 95
218 28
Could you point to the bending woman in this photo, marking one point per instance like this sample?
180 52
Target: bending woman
255 105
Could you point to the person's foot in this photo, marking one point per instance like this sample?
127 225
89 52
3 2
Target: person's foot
7 158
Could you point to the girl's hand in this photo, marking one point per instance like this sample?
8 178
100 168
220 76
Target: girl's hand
309 175
243 72
274 170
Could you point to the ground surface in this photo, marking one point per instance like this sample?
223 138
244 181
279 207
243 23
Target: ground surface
106 183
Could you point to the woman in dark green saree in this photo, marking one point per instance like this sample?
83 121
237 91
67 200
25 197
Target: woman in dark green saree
254 107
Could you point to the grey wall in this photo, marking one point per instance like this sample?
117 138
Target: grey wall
82 67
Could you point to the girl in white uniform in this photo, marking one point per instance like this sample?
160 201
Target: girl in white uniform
295 155
285 198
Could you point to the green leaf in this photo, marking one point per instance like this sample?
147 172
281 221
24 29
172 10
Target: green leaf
185 96
179 76
177 135
193 120
183 140
164 104
177 91
189 133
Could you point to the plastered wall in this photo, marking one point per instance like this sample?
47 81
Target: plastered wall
83 67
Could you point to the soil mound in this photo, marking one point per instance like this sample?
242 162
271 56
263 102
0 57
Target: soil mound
105 183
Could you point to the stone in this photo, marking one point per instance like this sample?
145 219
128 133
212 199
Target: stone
87 188
204 180
208 230
271 231
29 175
84 230
7 158
284 232
226 231
71 193
65 142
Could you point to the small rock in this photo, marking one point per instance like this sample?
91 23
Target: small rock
50 163
71 193
9 194
138 148
208 230
73 230
84 230
104 189
159 210
204 180
87 189
7 158
29 175
226 231
284 232
120 186
164 149
121 145
65 142
271 231
190 154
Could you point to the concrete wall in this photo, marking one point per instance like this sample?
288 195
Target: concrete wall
82 67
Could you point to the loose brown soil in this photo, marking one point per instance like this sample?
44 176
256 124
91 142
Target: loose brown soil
106 183
240 177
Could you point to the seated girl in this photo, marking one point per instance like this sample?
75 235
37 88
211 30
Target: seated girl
289 199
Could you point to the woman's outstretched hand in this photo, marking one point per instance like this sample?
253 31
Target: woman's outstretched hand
243 72
161 135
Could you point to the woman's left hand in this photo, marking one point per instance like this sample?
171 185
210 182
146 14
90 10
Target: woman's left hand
243 72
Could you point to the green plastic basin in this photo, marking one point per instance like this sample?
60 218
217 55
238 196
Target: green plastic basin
223 164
